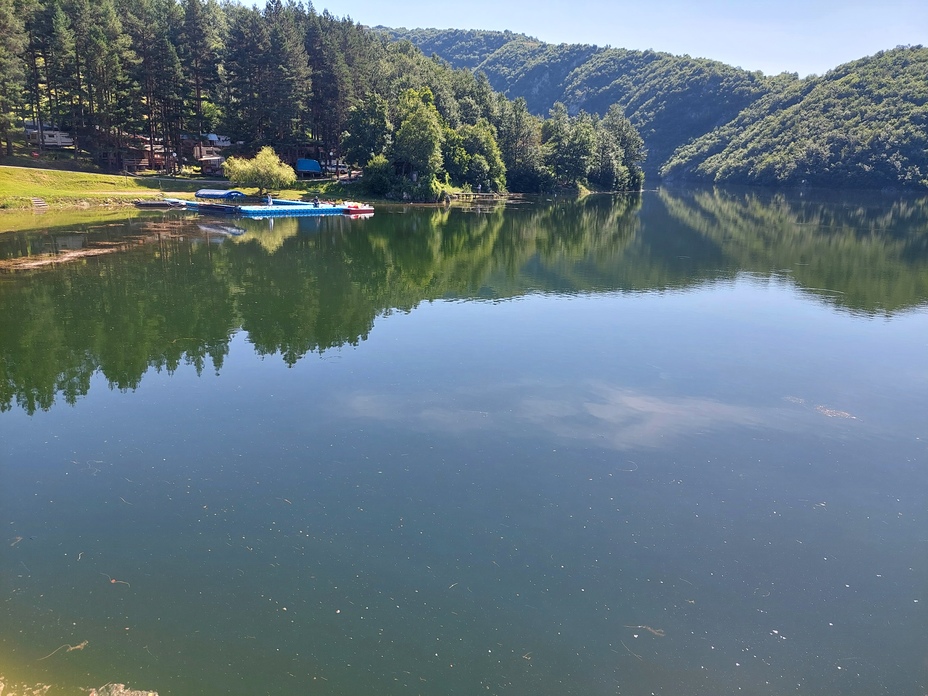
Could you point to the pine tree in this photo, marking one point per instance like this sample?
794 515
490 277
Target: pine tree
12 69
199 47
249 115
290 89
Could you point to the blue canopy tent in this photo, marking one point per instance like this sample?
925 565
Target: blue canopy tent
308 167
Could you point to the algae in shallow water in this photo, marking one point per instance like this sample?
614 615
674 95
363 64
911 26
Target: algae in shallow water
10 689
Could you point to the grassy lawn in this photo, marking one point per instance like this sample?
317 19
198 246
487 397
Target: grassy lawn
63 188
68 189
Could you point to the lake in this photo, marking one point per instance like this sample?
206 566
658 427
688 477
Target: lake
673 443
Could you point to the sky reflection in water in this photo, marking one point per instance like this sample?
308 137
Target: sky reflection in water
708 489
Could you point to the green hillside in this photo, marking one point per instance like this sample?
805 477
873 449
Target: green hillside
669 99
462 48
862 124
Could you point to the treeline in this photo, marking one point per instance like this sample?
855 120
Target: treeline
862 124
306 83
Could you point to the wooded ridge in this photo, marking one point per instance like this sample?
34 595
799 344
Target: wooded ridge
169 85
862 124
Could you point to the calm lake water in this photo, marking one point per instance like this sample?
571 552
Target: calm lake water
671 444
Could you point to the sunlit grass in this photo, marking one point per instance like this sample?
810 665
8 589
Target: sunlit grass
18 185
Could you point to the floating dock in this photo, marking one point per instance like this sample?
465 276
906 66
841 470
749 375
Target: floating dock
278 208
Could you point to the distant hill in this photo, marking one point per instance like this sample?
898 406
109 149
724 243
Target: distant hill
861 124
669 99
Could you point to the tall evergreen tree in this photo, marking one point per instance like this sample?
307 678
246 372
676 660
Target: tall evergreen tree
59 64
108 58
79 16
250 114
289 90
150 24
331 86
12 69
199 47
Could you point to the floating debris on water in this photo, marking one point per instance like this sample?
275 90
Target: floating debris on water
120 690
834 413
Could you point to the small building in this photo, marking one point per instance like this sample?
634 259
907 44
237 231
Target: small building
211 164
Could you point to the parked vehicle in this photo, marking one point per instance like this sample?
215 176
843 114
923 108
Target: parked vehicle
50 138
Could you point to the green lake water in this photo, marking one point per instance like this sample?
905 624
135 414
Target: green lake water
671 444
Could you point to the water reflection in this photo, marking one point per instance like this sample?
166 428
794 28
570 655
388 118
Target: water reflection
619 445
164 290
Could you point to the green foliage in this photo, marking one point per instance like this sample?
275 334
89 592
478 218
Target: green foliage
476 160
379 178
863 125
200 45
368 130
265 171
121 75
12 68
519 138
668 99
416 148
570 143
462 48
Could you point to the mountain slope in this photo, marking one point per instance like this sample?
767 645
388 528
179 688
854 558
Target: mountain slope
669 99
863 124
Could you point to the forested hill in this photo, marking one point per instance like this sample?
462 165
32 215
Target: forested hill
669 99
461 48
862 124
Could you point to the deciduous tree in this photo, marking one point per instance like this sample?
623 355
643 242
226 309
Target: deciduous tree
264 171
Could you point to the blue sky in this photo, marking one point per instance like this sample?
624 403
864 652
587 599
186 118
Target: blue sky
810 36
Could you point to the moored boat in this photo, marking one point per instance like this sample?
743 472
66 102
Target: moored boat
157 203
359 209
220 194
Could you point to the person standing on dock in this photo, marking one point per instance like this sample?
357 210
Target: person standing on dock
270 201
